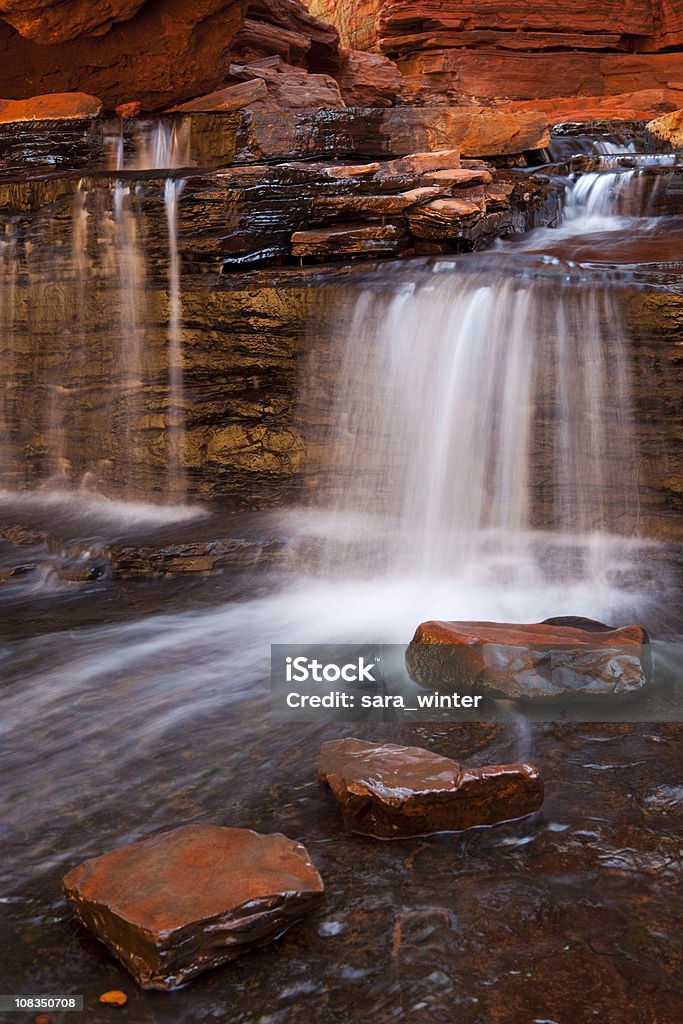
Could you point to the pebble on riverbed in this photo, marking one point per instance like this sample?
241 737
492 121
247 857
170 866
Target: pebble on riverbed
176 904
392 792
568 658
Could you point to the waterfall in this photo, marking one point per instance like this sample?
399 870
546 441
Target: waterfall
482 418
148 145
95 405
176 414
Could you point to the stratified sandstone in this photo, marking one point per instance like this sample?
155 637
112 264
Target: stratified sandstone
176 904
668 129
392 792
556 660
168 52
517 50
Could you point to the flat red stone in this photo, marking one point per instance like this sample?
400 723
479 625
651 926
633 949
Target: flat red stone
392 792
175 904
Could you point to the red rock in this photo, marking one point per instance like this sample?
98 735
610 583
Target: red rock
459 177
443 218
233 97
421 163
287 29
56 21
631 106
52 107
391 792
126 110
348 240
287 87
170 51
368 80
355 19
176 904
669 129
556 660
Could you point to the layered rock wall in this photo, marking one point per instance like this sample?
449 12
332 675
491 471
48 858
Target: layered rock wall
449 51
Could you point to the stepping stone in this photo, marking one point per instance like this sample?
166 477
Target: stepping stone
562 659
175 904
393 792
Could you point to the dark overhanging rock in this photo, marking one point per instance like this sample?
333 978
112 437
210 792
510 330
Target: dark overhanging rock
173 905
392 792
567 659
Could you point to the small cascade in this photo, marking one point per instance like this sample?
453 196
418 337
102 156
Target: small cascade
482 425
8 349
96 405
148 145
600 195
176 413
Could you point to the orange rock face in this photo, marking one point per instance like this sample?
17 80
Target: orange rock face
56 21
168 52
53 107
176 904
391 792
516 50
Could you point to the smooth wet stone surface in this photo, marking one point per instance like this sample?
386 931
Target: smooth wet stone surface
392 792
173 905
566 659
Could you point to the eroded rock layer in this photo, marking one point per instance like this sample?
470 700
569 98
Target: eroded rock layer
510 49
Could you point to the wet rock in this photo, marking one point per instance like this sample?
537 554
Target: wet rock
442 218
60 106
668 128
391 792
562 659
175 904
348 240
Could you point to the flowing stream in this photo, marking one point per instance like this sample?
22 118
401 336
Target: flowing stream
481 462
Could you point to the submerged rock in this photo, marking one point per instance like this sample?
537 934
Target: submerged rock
176 904
392 792
566 658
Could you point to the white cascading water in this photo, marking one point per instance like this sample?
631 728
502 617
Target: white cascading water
473 410
165 143
176 413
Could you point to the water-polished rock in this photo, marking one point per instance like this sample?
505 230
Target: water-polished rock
392 792
560 659
176 904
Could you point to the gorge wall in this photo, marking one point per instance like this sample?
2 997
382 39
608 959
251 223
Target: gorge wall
449 51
